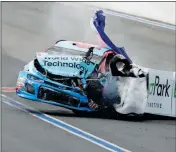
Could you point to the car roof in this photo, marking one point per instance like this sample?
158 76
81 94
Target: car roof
80 46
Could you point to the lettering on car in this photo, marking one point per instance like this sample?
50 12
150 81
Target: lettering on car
64 62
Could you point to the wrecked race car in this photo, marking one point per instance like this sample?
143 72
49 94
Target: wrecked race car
84 77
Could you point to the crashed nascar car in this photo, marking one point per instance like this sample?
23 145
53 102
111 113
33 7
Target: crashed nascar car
84 77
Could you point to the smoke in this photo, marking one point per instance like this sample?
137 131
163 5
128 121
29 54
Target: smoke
110 91
71 22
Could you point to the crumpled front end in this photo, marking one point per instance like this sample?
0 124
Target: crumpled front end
33 85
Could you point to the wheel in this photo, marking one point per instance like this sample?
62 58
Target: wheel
94 91
119 66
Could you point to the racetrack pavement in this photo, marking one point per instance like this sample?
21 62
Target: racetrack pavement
29 27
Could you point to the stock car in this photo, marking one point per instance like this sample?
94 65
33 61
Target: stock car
82 77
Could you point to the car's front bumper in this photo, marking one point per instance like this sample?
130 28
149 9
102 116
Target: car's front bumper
59 95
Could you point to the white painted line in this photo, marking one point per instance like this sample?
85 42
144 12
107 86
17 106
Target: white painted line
65 126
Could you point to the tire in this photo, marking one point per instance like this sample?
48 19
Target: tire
94 91
119 59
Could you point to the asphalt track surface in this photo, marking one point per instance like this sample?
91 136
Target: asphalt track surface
31 27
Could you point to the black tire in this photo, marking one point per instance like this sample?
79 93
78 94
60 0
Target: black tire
114 61
94 91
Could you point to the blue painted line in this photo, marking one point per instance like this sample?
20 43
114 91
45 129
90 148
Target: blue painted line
67 127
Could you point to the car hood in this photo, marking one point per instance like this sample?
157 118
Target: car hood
67 65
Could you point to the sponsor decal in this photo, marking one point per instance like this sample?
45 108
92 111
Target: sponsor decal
160 92
66 58
72 64
154 105
59 58
159 89
66 64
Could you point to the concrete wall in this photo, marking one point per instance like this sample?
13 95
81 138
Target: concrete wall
160 11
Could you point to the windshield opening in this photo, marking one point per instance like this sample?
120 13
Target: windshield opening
66 51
